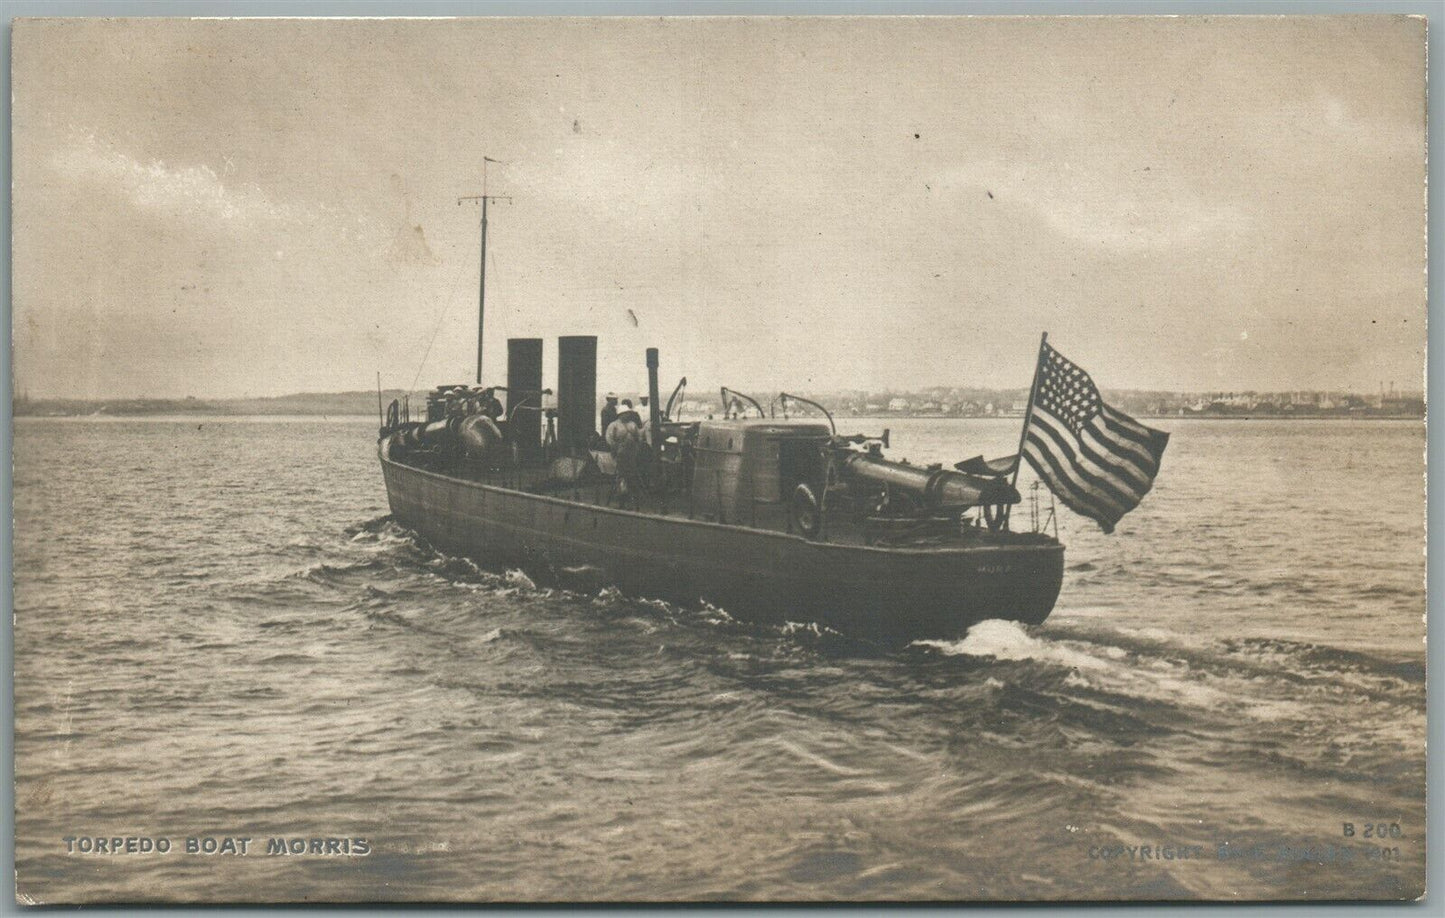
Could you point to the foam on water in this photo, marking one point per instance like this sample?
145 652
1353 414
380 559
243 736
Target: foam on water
1005 640
520 580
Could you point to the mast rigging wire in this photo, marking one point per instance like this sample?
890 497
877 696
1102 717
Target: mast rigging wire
446 306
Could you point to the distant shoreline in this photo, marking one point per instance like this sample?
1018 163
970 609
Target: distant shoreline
969 405
340 415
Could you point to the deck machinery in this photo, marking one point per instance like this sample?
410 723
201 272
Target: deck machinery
772 515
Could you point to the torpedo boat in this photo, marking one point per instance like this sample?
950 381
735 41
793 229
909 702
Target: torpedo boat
772 515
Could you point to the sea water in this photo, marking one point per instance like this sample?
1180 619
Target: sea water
222 642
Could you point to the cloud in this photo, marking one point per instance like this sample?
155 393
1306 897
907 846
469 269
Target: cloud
188 190
1142 213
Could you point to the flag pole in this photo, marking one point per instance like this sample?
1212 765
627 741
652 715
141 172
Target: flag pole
1029 410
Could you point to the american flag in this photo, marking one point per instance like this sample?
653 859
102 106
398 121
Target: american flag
1098 460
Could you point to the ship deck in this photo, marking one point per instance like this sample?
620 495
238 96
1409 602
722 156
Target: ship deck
768 516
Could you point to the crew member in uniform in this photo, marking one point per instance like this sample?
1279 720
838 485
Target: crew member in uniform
609 412
624 438
630 413
491 405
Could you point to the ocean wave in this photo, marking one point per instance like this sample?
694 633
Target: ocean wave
373 526
1007 640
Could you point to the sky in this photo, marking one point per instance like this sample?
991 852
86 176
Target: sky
229 207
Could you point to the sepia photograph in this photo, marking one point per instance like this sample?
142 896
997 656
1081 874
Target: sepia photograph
736 459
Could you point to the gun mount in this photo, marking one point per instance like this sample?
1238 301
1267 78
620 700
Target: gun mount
931 488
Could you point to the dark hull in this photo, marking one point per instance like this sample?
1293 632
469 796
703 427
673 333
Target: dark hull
882 594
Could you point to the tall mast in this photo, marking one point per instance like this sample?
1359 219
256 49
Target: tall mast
482 274
482 283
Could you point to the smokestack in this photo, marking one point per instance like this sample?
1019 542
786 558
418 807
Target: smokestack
654 419
576 390
524 387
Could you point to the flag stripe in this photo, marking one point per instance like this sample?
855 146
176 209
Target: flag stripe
1126 465
1086 473
1125 426
1145 458
1117 465
1090 500
1125 420
1075 500
1073 495
1096 476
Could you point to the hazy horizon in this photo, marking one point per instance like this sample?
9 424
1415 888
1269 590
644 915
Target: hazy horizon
706 391
251 208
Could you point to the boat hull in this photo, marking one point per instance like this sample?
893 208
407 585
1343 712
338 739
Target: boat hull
887 595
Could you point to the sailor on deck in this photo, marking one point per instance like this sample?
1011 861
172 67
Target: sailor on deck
491 405
609 412
629 413
624 438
